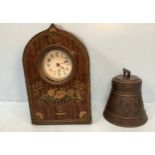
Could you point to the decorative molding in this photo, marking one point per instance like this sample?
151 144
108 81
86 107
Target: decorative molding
60 94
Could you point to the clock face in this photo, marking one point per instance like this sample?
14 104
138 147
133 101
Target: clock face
57 65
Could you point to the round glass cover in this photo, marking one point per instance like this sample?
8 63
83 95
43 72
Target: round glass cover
57 65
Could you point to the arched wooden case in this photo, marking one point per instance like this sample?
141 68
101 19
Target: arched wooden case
65 102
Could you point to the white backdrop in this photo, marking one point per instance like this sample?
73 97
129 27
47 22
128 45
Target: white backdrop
111 47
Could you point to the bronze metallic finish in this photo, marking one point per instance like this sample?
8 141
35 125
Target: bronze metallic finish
125 104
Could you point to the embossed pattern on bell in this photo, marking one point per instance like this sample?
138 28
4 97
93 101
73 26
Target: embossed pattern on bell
127 89
125 104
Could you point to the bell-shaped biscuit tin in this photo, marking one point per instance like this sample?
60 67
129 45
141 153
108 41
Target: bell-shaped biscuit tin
125 104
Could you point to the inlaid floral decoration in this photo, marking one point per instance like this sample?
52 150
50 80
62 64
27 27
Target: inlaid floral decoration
65 95
36 88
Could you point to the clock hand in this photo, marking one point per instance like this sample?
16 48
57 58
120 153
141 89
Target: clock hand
58 65
64 62
62 67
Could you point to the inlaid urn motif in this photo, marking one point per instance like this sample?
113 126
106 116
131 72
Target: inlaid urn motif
57 75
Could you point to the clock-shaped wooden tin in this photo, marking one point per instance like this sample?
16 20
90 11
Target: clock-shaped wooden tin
56 67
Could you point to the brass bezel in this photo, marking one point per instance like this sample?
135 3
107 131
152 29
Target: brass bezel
40 68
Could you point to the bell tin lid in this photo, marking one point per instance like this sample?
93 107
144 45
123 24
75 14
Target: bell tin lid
127 78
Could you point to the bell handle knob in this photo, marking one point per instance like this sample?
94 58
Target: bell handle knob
126 73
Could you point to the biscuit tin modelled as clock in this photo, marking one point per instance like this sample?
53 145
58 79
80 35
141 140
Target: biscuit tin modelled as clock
56 67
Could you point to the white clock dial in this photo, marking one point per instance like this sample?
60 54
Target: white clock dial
57 65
